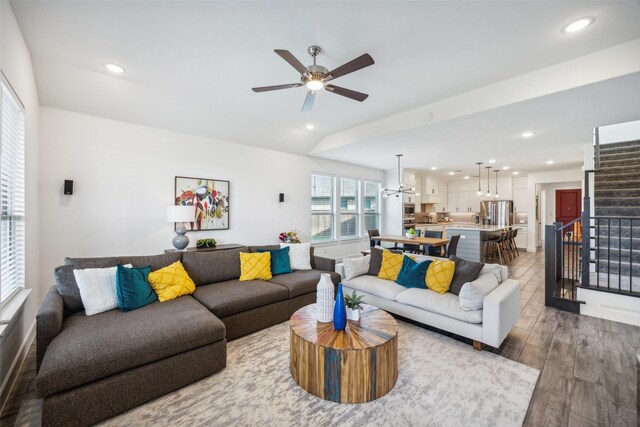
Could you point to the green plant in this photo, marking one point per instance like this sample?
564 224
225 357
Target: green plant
353 301
411 231
206 243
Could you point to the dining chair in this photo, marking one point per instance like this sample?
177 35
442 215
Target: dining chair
373 233
452 248
429 249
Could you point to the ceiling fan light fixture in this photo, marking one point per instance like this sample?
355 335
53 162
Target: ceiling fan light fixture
315 85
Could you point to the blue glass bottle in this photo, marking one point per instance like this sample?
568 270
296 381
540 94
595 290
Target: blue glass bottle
339 311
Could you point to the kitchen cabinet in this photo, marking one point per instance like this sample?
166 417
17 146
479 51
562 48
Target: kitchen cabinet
408 180
520 195
431 190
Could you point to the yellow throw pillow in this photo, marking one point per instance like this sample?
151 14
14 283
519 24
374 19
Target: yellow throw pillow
440 275
171 282
255 266
391 265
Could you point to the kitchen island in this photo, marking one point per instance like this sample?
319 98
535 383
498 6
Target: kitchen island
472 238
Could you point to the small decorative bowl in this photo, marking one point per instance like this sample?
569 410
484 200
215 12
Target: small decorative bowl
409 236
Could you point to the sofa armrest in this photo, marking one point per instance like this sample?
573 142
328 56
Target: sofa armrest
340 269
48 322
501 310
326 264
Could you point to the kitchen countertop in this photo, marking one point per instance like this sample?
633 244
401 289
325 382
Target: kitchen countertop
477 227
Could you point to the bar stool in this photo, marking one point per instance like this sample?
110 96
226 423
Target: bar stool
513 241
495 246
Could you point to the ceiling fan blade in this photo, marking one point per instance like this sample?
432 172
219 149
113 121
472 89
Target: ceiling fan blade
358 96
277 87
351 66
292 60
308 102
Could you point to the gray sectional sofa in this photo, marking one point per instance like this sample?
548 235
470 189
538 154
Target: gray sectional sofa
91 368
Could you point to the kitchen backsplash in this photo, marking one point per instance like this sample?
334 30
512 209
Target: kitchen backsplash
520 218
434 217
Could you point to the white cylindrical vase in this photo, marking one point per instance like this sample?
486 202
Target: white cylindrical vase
324 298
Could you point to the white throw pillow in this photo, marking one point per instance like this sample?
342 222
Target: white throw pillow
354 267
472 294
97 289
494 269
299 255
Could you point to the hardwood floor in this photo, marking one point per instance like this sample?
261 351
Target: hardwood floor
588 365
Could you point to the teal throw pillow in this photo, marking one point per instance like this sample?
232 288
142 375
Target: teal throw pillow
133 288
412 274
280 263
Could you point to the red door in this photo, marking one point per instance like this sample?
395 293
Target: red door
568 205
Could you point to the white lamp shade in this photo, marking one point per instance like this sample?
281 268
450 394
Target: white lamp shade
181 213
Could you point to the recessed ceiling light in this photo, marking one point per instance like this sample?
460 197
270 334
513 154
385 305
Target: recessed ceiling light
550 162
467 177
451 173
433 168
528 134
114 68
516 172
309 126
506 168
492 161
578 25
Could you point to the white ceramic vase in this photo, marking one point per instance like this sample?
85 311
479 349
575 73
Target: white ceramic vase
324 301
353 314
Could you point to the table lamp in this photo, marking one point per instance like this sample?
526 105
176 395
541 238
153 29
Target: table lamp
179 215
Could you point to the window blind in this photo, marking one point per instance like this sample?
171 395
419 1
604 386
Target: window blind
371 205
12 195
322 208
349 208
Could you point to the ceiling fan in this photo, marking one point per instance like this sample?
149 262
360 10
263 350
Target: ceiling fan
315 77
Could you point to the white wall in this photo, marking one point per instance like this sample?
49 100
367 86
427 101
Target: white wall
392 220
15 62
539 178
629 131
124 180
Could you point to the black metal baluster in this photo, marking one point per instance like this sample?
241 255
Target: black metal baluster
631 257
619 254
609 253
597 253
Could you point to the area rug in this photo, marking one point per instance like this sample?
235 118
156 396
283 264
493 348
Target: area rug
442 382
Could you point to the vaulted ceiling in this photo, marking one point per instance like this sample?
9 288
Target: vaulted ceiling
190 67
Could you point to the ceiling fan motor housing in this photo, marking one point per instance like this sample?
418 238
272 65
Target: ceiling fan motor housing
316 72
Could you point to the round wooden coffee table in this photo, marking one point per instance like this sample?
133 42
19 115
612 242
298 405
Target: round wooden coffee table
356 365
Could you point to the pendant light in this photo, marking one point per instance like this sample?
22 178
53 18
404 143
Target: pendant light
479 193
496 195
386 192
488 181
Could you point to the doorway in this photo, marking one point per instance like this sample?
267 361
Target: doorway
568 205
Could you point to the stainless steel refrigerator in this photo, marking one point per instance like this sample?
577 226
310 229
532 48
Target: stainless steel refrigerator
496 212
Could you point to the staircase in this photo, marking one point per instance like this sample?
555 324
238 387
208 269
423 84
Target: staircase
616 234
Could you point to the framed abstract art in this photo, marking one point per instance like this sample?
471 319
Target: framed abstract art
211 199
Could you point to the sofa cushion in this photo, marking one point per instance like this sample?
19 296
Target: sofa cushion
66 280
445 304
233 296
472 293
213 266
156 262
465 271
303 282
375 286
92 347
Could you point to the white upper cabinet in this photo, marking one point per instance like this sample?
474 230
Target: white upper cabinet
430 192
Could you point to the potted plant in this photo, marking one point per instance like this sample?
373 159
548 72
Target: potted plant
205 243
354 306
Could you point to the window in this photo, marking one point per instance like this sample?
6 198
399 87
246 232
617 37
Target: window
12 194
322 208
371 205
349 208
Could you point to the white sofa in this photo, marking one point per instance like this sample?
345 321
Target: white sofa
490 325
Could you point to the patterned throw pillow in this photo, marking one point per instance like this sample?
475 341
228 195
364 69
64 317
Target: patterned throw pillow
439 275
391 265
255 266
171 282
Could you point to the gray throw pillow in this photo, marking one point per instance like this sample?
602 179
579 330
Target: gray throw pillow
466 271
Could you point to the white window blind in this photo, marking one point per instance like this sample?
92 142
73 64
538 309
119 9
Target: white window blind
12 195
322 208
349 208
371 205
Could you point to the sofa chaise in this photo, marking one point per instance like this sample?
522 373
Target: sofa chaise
91 368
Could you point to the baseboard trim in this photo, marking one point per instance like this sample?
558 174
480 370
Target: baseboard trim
16 365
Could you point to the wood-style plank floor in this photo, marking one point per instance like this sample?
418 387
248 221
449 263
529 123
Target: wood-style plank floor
588 365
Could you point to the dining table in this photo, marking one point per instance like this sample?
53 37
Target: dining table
426 241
